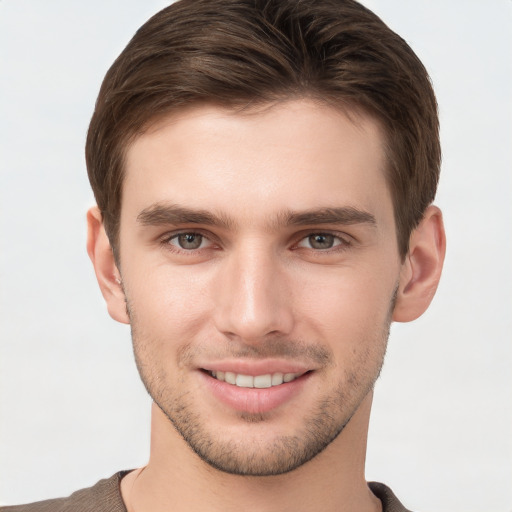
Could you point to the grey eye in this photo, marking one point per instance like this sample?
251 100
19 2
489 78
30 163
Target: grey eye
189 240
321 241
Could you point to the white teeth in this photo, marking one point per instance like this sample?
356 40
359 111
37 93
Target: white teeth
244 381
259 381
263 381
277 379
230 377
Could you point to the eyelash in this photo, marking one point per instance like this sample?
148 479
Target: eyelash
343 240
166 242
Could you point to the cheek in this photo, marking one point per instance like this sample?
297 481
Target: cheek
167 303
351 317
348 306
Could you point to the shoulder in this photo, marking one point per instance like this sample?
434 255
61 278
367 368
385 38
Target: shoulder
390 502
105 496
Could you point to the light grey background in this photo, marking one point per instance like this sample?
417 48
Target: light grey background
72 409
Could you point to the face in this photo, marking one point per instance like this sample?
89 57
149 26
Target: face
259 262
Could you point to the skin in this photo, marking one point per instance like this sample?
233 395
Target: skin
264 278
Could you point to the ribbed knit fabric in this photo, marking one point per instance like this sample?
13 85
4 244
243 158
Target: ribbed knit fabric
105 496
389 501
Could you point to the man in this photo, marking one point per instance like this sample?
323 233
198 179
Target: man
264 173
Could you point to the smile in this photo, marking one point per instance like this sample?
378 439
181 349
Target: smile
267 380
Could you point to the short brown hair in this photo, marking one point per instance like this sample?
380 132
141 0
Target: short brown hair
239 52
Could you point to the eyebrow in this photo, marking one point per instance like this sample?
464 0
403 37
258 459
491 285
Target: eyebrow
344 215
165 214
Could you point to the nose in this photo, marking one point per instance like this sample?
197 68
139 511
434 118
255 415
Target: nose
253 299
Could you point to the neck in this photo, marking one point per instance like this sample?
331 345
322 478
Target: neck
177 479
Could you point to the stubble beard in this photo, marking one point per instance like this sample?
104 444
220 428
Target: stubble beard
284 453
281 455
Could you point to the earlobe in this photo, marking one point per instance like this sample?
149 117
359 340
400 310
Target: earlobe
422 267
107 273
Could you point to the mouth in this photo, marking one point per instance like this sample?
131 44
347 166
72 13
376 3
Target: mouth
252 390
267 380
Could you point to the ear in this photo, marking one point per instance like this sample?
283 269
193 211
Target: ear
422 267
107 273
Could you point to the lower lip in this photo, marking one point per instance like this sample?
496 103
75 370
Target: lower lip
254 400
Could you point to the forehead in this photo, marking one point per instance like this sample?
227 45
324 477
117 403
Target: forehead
293 155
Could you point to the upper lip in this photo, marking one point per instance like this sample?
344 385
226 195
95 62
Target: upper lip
256 367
